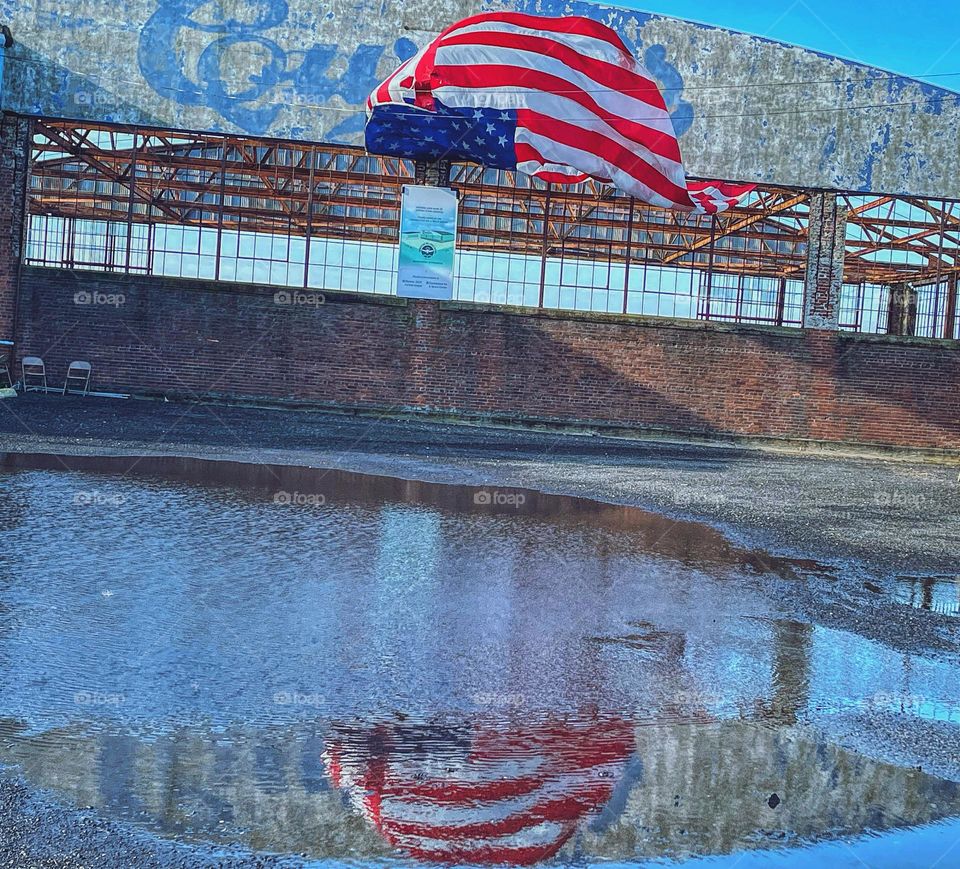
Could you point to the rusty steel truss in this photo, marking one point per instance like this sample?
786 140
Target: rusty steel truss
227 183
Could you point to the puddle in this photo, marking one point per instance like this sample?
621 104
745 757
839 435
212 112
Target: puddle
368 669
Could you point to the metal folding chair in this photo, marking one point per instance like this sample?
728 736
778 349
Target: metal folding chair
34 374
79 375
6 379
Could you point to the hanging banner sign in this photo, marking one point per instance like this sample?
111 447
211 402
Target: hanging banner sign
428 235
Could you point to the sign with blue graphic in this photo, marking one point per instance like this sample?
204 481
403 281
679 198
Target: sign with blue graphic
428 236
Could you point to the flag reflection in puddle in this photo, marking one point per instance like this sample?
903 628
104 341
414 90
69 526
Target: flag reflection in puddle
481 792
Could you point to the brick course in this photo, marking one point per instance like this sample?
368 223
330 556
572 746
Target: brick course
14 158
192 339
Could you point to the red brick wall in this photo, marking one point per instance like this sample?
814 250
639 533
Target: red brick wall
14 157
197 339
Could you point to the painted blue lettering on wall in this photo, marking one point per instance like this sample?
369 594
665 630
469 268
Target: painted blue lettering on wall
655 59
276 76
877 149
273 74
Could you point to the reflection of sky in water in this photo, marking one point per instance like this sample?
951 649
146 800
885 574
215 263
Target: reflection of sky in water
924 848
191 602
937 594
195 603
867 673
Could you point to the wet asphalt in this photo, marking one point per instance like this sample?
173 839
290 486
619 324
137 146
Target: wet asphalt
862 523
38 833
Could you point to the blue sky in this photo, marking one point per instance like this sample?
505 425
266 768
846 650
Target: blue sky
919 37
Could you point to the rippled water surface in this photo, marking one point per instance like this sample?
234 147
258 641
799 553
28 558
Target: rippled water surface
367 669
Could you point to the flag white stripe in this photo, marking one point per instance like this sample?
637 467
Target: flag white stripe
592 164
590 46
545 833
418 810
533 167
615 102
465 772
409 67
411 810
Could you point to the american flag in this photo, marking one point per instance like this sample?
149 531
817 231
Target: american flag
481 793
559 98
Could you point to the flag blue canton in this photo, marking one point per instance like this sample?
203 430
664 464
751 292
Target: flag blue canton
484 136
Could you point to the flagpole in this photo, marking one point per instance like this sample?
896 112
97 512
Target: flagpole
432 174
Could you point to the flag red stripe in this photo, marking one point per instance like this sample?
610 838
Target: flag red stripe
383 92
558 810
613 153
482 76
558 177
574 25
452 792
599 744
606 75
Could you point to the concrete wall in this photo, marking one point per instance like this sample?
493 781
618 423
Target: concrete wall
299 69
194 339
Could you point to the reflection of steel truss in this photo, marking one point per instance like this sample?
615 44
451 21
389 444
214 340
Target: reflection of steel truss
231 182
